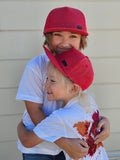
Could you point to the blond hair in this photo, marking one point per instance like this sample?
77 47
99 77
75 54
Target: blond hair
64 78
83 97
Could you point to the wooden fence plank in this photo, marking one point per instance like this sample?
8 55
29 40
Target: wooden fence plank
32 14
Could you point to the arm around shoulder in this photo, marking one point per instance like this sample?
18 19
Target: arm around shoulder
28 138
74 147
35 111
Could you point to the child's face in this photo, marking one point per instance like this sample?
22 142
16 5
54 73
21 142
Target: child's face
56 86
63 40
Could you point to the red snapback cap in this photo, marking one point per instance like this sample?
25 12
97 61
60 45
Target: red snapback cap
66 19
75 65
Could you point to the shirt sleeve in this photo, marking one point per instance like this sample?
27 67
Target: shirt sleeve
31 86
51 128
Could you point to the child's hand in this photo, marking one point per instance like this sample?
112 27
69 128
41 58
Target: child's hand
74 147
78 149
104 126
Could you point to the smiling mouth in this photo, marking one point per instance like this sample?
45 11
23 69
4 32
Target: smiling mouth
49 93
61 50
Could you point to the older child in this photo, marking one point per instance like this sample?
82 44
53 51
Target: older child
80 115
65 28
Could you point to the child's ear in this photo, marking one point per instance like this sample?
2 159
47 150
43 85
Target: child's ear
75 88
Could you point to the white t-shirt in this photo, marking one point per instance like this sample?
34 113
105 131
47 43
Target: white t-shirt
74 122
32 89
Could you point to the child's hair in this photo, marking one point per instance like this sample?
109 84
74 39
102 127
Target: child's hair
66 19
59 19
64 79
83 97
47 42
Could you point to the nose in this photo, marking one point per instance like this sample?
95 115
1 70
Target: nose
65 43
45 84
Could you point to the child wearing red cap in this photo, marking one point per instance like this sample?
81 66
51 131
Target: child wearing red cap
67 78
65 28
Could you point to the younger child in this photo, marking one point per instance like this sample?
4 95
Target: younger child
69 74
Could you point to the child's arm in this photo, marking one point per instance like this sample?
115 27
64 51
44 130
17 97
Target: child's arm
103 125
35 111
52 129
28 138
74 147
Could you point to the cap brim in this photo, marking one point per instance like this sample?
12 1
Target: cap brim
53 59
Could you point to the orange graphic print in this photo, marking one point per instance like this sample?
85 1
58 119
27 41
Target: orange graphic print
82 128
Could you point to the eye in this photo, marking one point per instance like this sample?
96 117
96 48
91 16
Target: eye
52 81
56 34
46 79
73 36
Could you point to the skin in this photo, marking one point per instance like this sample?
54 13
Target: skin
76 148
60 42
57 89
56 86
105 126
63 41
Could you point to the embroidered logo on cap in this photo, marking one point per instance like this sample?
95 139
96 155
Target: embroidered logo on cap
79 27
64 63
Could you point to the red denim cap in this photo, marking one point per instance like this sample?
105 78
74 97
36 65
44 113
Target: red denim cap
66 19
75 65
